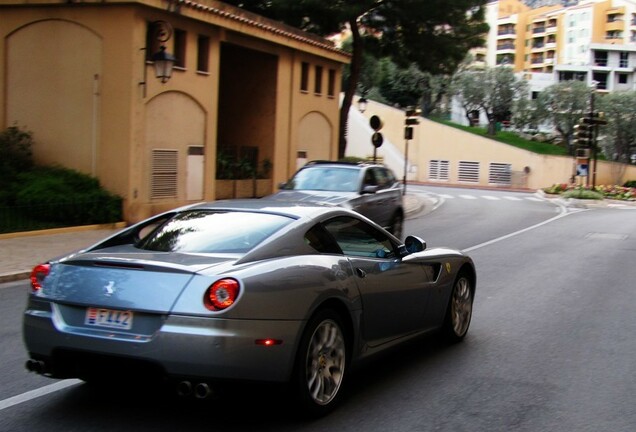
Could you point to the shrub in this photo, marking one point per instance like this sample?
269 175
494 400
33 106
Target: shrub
353 159
15 155
598 192
556 188
66 196
582 193
630 184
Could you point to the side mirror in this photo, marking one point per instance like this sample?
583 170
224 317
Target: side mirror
369 189
414 244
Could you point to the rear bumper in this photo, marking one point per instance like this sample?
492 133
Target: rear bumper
183 346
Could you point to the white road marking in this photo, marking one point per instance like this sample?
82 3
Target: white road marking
562 213
512 198
468 197
490 197
34 394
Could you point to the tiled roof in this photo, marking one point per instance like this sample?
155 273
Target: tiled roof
250 19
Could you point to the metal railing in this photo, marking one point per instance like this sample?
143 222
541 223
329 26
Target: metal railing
17 218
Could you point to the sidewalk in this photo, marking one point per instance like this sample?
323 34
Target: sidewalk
20 252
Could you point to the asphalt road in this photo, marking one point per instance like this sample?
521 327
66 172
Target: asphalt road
551 346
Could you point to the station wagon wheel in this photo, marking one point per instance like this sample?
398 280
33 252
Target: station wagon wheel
321 364
460 309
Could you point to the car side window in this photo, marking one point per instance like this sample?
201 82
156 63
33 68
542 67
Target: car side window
357 238
369 178
381 178
390 177
319 239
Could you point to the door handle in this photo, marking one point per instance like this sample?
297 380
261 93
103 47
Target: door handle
361 273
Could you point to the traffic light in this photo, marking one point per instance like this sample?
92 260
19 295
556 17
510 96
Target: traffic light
583 133
411 111
597 118
411 120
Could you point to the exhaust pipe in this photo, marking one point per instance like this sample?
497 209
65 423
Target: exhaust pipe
202 391
184 388
37 366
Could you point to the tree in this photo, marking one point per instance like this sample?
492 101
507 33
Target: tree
501 89
619 141
563 104
434 34
524 114
468 90
403 87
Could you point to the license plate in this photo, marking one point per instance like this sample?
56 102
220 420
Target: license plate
109 318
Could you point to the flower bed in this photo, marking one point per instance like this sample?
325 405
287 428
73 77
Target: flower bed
607 191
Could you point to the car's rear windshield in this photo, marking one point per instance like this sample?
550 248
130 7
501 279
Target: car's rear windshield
339 179
199 231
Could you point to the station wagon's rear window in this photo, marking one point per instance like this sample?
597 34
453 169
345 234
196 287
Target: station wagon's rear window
201 231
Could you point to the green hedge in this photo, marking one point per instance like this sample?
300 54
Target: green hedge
60 195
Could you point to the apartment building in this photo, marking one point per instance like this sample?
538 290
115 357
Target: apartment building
592 41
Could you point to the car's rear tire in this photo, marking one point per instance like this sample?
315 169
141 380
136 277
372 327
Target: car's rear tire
321 363
459 310
397 224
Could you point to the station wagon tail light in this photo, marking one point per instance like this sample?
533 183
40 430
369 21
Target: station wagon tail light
38 274
222 294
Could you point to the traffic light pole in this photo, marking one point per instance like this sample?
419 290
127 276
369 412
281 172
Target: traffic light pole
593 138
411 120
406 162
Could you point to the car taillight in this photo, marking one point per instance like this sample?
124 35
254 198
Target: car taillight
222 294
38 274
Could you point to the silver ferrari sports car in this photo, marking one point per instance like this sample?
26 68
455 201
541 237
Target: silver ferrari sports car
242 290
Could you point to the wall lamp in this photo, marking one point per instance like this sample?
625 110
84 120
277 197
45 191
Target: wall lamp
159 32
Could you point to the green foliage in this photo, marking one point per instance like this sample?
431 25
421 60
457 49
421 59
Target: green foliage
15 155
510 138
562 105
619 141
556 188
624 193
630 184
582 193
403 86
65 196
352 159
492 91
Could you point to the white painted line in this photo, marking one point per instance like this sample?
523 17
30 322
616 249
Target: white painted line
446 196
535 199
34 394
490 197
561 214
511 198
468 197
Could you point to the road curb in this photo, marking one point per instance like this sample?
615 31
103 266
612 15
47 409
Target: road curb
115 225
25 273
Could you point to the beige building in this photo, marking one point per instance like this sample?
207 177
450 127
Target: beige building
443 155
79 75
